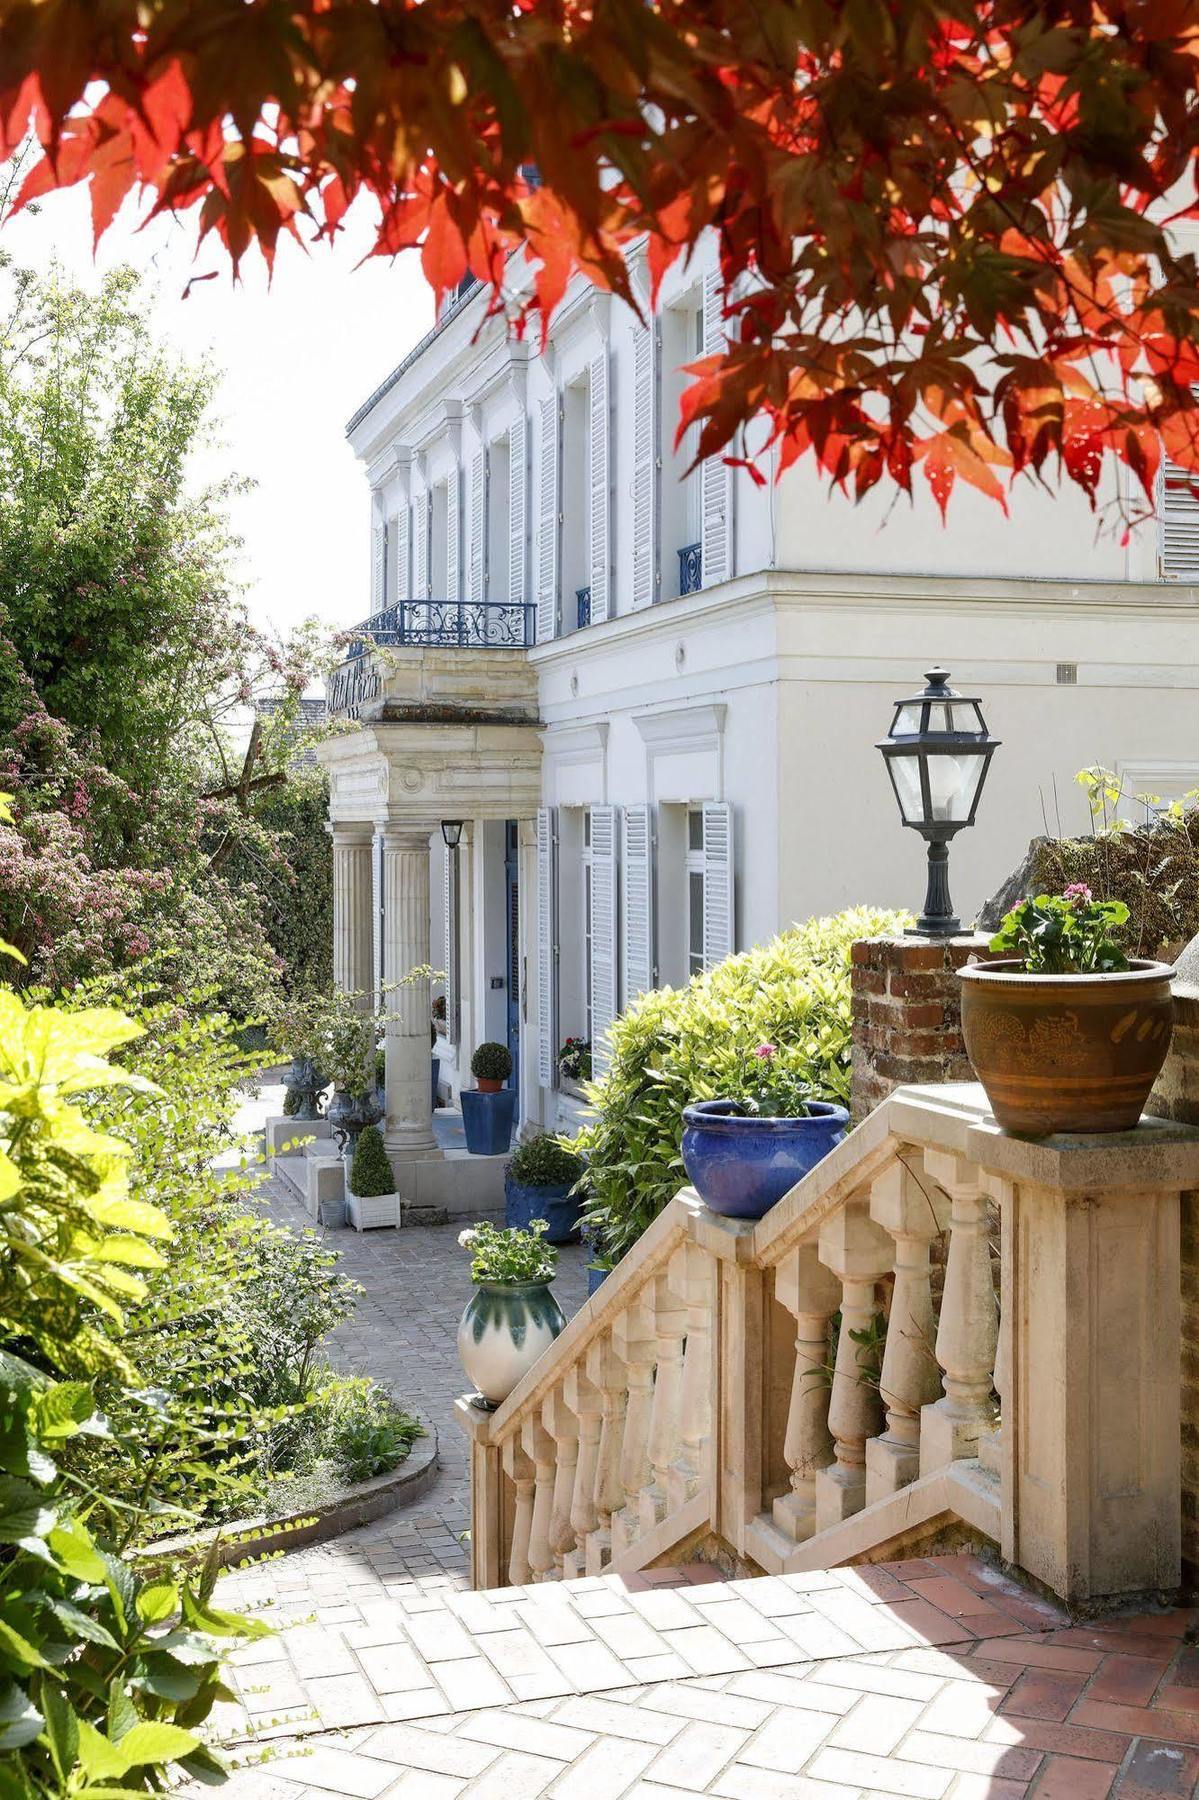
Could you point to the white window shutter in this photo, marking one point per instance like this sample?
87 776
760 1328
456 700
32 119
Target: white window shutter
517 520
604 932
420 547
645 459
1179 523
402 552
601 436
478 524
719 936
547 534
637 889
452 980
377 916
715 475
547 947
453 537
378 566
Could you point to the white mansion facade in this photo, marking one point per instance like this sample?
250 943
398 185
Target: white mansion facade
693 671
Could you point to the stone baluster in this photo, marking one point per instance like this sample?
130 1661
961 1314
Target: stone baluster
913 1210
563 1427
859 1253
519 1468
670 1326
539 1447
692 1276
811 1294
607 1372
969 1327
583 1399
635 1343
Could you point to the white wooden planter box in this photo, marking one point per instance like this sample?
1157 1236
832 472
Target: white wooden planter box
374 1209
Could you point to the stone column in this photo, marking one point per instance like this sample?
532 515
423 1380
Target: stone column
408 1128
353 901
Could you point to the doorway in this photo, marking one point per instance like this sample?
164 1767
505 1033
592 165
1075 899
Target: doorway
512 930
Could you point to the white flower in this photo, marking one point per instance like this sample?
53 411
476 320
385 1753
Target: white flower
466 1239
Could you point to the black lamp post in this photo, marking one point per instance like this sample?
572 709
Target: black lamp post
937 753
451 832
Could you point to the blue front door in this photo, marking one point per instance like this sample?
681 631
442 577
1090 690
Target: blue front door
512 926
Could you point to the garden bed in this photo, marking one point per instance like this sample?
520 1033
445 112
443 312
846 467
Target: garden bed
345 1507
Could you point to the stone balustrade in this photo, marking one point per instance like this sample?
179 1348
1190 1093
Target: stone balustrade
798 1394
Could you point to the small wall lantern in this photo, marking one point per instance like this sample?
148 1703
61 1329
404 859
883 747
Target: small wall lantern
937 754
451 832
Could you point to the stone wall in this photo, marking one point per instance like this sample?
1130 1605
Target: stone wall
906 1015
1176 1096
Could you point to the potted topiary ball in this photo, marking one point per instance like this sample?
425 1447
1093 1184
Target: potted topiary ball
491 1066
371 1197
539 1183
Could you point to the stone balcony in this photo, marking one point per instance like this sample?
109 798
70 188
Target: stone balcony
434 662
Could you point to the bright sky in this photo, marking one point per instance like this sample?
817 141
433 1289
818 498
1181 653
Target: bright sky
298 358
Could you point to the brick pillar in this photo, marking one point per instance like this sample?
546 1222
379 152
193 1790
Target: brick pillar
907 1023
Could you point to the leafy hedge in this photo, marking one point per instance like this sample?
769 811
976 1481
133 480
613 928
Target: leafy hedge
676 1045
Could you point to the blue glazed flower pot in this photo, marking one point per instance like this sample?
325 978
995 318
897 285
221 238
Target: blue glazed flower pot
741 1167
524 1203
596 1274
487 1121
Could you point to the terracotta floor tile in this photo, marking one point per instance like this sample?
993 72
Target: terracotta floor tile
1034 1654
1068 1740
1131 1680
988 1787
948 1593
1160 1772
929 1623
995 1622
874 1583
917 1569
1044 1694
1066 1778
971 1755
1178 1699
1186 1671
1114 1643
1137 1721
1036 1614
1175 1623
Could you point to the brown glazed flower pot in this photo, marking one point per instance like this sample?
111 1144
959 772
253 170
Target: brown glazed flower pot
489 1085
1066 1052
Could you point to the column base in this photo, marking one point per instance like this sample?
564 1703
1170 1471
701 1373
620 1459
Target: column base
840 1493
890 1465
795 1514
408 1143
947 1434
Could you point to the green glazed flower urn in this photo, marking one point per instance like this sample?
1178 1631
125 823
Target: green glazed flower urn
506 1327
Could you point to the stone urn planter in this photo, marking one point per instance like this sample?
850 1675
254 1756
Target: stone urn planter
1066 1053
305 1081
741 1165
512 1317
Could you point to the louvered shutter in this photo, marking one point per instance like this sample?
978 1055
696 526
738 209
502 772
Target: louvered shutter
604 925
637 889
547 531
452 966
402 552
601 438
377 916
716 476
645 460
420 547
453 537
378 566
718 882
547 947
517 524
1180 523
478 525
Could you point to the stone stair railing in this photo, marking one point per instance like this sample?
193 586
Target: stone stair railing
828 1385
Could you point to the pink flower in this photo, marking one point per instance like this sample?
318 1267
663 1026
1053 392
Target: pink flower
765 1051
1079 891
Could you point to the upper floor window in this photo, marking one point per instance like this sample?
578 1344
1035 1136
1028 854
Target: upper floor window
1179 524
682 341
575 508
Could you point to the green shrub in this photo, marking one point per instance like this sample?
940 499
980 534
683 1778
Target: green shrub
491 1062
677 1045
105 1675
366 1433
544 1161
370 1171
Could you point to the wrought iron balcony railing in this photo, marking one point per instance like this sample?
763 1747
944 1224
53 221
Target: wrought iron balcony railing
461 624
582 607
691 569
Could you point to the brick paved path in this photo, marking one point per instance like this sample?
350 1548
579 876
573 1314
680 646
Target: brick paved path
936 1679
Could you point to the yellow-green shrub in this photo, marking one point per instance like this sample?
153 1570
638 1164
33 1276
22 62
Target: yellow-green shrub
677 1045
